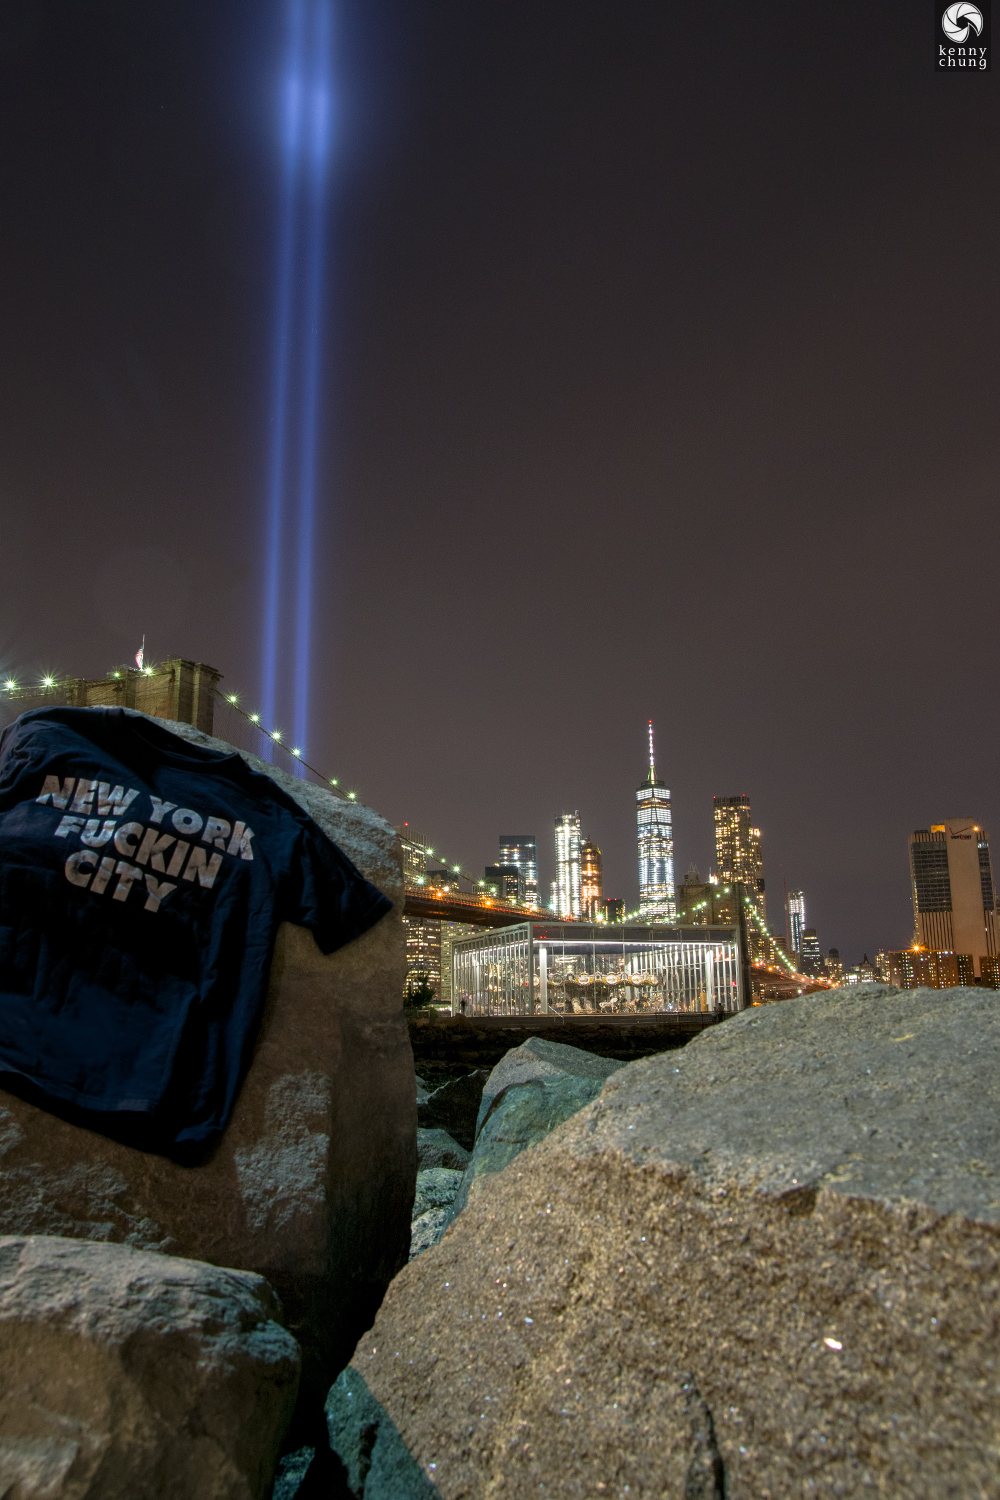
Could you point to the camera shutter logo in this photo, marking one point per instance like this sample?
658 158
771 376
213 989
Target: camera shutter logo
961 19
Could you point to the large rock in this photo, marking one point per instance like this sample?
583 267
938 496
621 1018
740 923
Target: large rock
133 1376
454 1107
313 1181
436 1148
436 1189
541 1061
532 1089
768 1265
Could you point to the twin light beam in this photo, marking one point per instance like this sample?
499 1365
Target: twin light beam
304 140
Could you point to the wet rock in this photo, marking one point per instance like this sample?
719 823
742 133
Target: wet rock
134 1376
313 1181
436 1148
767 1264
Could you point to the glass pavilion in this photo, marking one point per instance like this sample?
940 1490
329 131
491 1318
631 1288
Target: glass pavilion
581 968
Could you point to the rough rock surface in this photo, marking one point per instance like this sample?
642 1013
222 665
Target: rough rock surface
454 1107
379 1465
436 1148
532 1089
436 1188
134 1376
313 1181
427 1228
768 1265
292 1470
538 1059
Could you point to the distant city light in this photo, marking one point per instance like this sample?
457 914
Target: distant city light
10 684
48 682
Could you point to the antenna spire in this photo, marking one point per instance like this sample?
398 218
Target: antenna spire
652 769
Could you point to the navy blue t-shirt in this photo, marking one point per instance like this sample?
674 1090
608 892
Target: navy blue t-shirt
142 881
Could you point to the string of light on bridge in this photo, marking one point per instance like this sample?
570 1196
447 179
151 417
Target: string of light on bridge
276 736
51 681
11 684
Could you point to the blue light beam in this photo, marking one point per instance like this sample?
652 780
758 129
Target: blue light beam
290 138
317 145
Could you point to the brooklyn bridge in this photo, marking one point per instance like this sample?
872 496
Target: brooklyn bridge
189 691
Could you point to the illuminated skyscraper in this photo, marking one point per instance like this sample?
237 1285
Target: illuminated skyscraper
568 897
505 881
812 958
737 849
520 849
954 900
591 895
657 902
414 847
796 919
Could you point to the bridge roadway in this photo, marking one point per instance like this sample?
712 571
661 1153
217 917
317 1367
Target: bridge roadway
480 911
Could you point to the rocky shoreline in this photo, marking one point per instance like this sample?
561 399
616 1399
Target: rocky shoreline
763 1265
767 1265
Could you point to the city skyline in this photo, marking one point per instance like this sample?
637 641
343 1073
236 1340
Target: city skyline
956 914
560 311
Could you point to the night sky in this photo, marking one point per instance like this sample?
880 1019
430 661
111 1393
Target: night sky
661 382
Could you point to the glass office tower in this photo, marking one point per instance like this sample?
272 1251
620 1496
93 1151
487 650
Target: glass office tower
657 899
569 898
796 920
591 894
521 849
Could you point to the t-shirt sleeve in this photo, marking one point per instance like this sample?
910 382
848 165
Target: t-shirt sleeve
328 894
